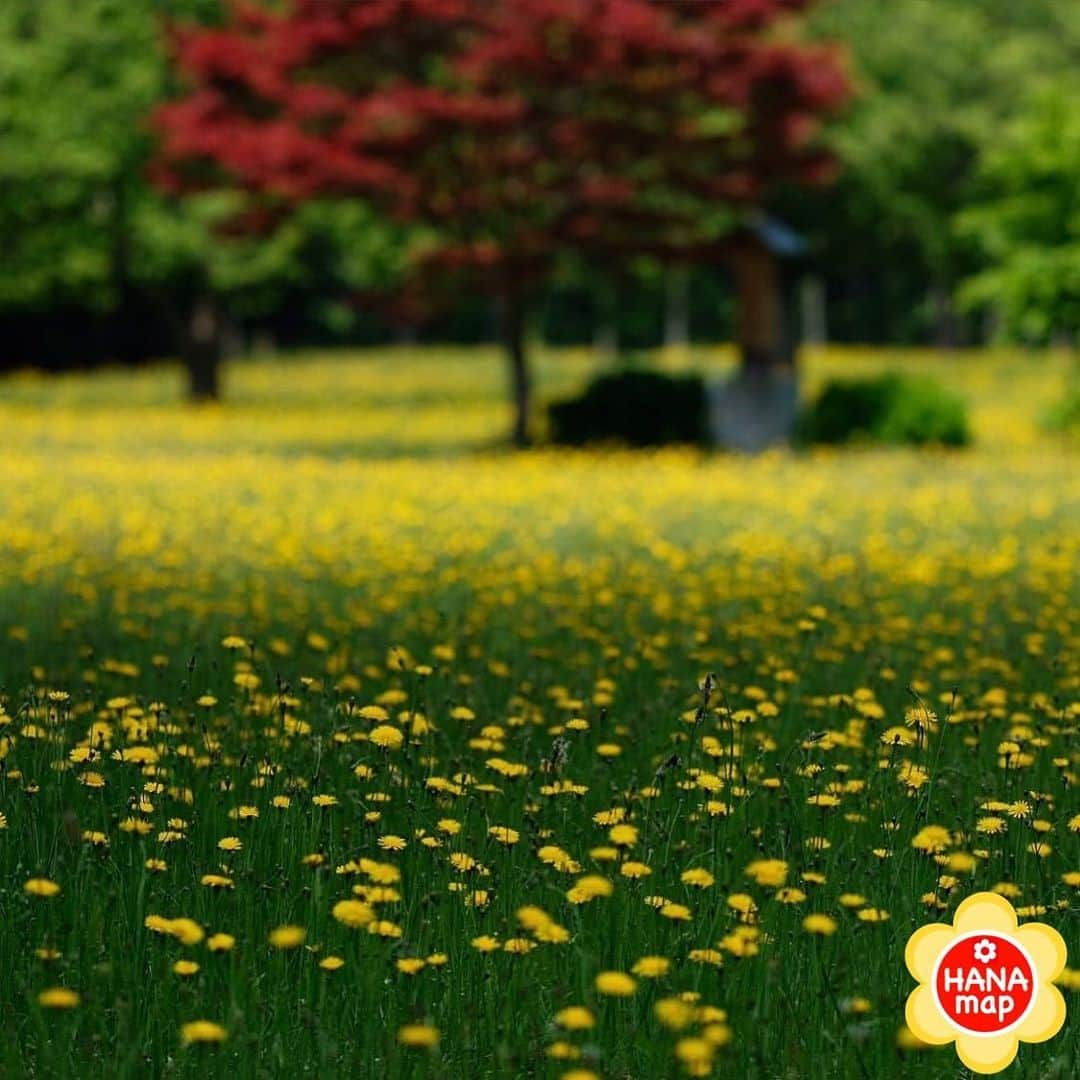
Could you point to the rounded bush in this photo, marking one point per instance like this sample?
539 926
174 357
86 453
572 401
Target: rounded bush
894 409
639 408
1065 415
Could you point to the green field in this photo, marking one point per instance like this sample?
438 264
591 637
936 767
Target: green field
341 728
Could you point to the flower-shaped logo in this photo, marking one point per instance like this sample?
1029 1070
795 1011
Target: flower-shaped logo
985 982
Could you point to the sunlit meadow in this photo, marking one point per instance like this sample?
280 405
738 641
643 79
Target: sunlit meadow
338 741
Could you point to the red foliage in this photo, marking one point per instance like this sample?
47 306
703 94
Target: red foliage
518 127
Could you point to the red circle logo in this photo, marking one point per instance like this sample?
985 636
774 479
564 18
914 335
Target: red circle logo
985 983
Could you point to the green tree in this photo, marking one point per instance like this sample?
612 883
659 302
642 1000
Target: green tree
1027 225
938 82
83 226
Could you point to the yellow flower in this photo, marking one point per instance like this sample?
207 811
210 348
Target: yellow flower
673 1013
790 896
615 984
331 963
820 924
504 834
697 876
741 942
575 1018
387 737
384 928
932 839
873 915
230 843
769 873
519 946
220 942
41 887
186 931
354 913
693 1052
651 967
589 888
676 912
718 1034
421 1036
561 1050
202 1031
185 967
706 956
216 881
287 937
58 997
744 905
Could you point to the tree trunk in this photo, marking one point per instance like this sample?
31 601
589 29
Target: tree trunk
762 336
203 351
812 311
677 308
947 331
606 325
758 407
513 328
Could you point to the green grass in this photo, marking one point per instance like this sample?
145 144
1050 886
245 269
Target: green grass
334 509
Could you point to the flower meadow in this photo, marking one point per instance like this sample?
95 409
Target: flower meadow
337 742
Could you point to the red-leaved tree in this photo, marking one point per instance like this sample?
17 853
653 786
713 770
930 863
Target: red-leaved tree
516 130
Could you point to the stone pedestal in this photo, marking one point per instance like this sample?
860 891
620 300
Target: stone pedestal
754 409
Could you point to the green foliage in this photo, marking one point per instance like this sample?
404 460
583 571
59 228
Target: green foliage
1028 224
76 82
937 83
891 408
79 80
640 408
1065 415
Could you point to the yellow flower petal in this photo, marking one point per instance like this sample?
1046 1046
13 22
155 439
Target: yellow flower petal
924 947
924 1018
987 1053
985 912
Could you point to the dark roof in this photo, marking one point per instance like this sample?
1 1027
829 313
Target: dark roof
778 237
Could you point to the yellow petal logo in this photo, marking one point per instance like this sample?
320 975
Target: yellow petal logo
985 982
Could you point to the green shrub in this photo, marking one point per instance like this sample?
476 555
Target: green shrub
896 409
640 408
1065 415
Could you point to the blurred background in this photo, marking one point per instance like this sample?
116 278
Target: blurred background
189 181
